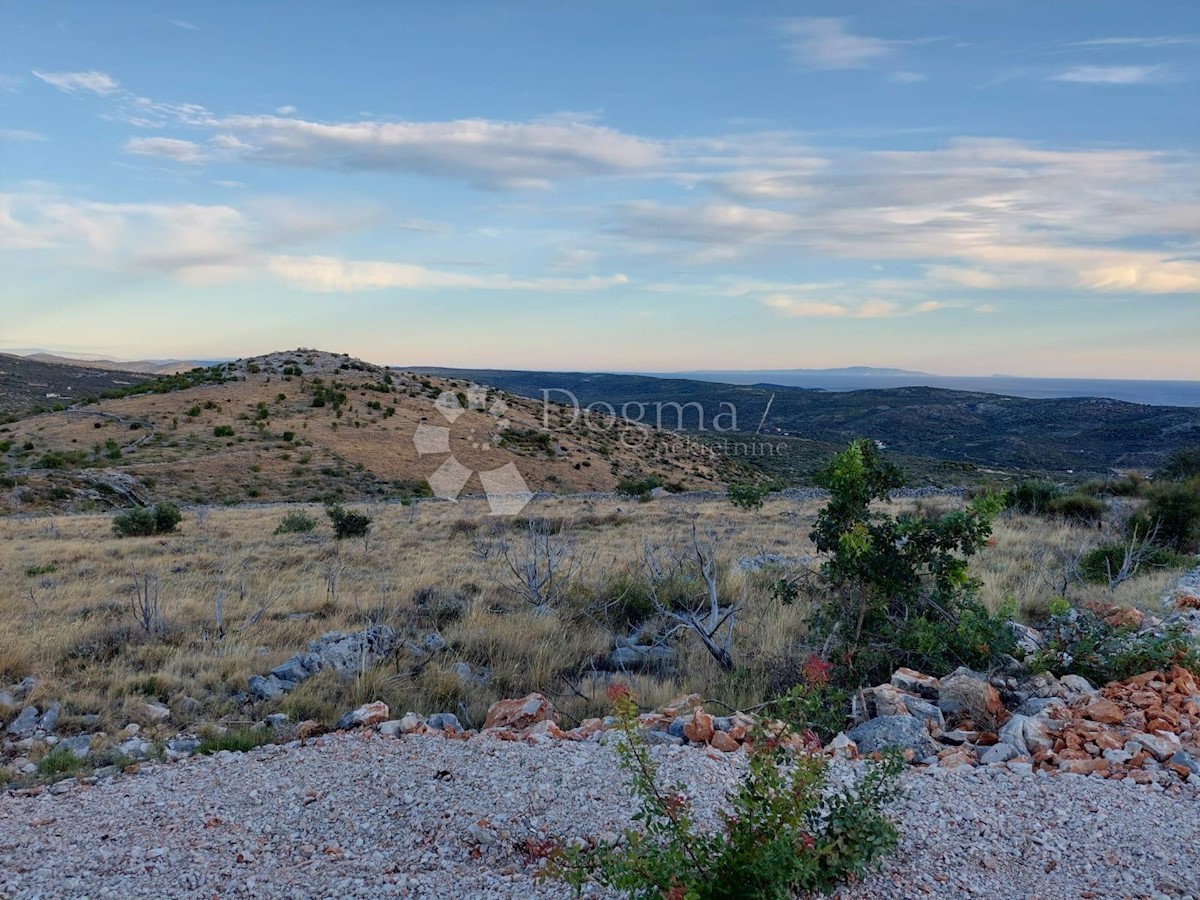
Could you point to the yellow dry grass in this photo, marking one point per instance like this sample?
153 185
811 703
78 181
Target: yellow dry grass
65 603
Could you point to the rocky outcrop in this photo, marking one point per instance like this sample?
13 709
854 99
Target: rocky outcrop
343 653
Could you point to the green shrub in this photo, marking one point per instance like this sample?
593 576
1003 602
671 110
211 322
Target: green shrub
1183 465
1101 564
746 495
144 521
296 522
1173 516
1080 642
1031 497
193 411
222 431
639 488
59 763
237 741
34 571
898 590
347 524
1077 508
784 835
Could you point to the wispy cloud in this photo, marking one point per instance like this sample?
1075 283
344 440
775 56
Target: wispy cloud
1112 74
826 43
20 134
73 82
327 274
169 148
1178 40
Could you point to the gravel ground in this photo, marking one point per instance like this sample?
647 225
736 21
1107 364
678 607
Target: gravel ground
360 815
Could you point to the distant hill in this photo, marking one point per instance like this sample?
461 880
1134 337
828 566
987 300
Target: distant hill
309 425
27 384
857 378
145 366
983 429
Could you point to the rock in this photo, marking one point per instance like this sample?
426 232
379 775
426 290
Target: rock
134 748
1082 766
433 642
958 736
155 711
1076 685
926 711
444 721
1000 753
966 694
25 722
1029 640
903 732
276 721
886 700
292 670
723 742
268 687
7 699
687 703
1103 710
916 683
189 706
181 748
410 722
518 714
49 720
390 728
463 671
1162 745
841 747
1183 758
660 737
367 714
80 745
700 728
1034 706
1026 734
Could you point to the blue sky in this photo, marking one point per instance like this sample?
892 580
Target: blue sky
959 186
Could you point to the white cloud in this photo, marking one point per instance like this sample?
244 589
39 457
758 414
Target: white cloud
801 307
1112 74
20 134
285 110
72 82
329 274
824 43
1177 40
168 148
908 77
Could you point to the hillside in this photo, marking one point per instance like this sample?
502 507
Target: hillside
989 430
145 366
310 425
28 385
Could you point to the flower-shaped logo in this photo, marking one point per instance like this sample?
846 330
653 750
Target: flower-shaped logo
507 493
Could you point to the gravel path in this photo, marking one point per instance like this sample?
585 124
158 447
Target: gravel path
361 815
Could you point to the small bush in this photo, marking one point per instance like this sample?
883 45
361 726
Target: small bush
639 488
746 495
296 522
1101 564
59 763
1077 508
142 522
222 431
1183 465
785 834
348 524
1174 510
1031 497
1080 642
239 741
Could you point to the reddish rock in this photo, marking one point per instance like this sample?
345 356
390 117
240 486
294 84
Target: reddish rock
519 714
367 714
1104 710
682 705
723 742
700 728
916 683
1082 766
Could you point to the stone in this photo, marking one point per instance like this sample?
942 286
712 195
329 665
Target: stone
25 722
723 742
463 672
1035 706
1183 758
268 687
1077 684
926 711
1161 745
841 747
443 721
433 642
902 732
390 728
660 737
1026 734
915 682
80 745
7 699
155 711
887 700
180 748
640 656
367 714
1101 709
687 703
966 694
410 722
276 721
1082 766
1029 640
518 714
134 748
291 670
700 728
999 753
49 720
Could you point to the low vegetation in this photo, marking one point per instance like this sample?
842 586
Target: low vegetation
162 518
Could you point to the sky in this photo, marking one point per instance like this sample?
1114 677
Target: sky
955 186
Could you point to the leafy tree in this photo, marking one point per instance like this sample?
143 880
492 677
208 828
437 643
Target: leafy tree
346 523
899 590
747 495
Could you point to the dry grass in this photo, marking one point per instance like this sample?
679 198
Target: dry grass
66 604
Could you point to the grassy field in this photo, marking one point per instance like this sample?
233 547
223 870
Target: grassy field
68 593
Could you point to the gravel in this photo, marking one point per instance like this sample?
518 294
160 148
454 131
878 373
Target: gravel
363 815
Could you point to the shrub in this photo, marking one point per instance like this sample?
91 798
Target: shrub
1174 510
1031 497
1080 642
786 831
238 741
639 488
1077 508
1101 565
222 431
347 524
296 522
144 521
1183 465
193 411
899 593
59 763
746 495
